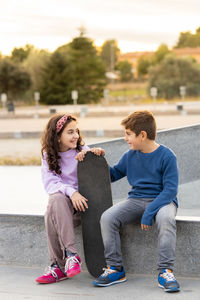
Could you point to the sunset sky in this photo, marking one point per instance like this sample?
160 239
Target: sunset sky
136 25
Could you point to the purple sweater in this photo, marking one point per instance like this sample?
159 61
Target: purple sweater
66 182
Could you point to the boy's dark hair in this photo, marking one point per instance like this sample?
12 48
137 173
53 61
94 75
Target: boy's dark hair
141 121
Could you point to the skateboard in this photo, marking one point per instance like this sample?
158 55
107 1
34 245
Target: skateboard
94 184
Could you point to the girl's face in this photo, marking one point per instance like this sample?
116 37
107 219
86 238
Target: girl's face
69 137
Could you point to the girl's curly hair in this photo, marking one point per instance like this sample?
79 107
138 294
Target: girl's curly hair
50 144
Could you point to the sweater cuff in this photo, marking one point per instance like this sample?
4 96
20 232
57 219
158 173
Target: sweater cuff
146 221
69 191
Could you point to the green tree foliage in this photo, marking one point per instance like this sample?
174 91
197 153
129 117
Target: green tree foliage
75 66
160 54
143 64
109 54
20 54
146 61
88 75
188 39
56 80
172 73
14 80
125 69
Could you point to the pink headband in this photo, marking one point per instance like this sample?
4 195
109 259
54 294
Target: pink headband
60 123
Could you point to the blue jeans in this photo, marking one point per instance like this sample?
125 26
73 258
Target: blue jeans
131 211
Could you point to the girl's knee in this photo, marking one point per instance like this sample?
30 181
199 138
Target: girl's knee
56 197
59 202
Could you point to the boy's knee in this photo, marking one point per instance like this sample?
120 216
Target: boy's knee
106 218
166 214
166 223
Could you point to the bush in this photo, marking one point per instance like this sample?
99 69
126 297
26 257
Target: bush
172 73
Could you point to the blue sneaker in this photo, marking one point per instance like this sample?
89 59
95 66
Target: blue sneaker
167 281
110 276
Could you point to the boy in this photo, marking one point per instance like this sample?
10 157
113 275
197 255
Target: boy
151 170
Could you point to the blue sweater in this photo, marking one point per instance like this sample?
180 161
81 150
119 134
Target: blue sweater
151 175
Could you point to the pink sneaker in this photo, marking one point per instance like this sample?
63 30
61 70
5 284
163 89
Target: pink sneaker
73 266
53 274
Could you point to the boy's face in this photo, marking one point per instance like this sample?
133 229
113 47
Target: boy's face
134 142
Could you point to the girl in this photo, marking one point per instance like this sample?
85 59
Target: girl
62 146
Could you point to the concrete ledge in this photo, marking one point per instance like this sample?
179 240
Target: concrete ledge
23 242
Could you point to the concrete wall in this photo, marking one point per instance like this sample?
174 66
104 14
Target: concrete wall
23 238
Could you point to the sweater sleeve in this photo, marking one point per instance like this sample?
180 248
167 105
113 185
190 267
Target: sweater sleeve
169 192
53 183
118 171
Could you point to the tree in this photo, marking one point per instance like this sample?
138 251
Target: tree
56 80
14 80
20 54
109 54
187 39
146 61
75 66
172 73
88 71
160 54
143 64
198 30
125 69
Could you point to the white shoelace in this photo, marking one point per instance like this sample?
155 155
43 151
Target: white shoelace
169 276
71 261
107 272
50 270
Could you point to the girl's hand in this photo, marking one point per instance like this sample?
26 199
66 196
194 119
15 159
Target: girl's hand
80 156
98 151
79 202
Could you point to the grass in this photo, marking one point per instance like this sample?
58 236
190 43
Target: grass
128 92
20 161
128 89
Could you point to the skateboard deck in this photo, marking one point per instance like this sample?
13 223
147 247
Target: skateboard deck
94 184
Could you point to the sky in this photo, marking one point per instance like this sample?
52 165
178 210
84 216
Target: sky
140 25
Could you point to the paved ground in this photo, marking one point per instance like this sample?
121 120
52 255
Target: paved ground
31 147
19 283
95 123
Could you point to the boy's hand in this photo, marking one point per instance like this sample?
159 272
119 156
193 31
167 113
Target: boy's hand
80 156
79 202
98 151
145 227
